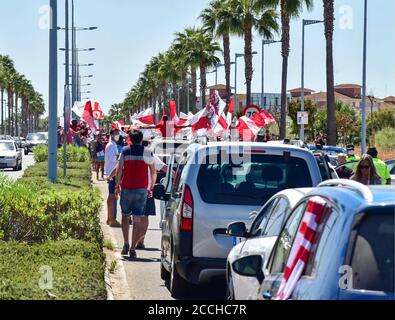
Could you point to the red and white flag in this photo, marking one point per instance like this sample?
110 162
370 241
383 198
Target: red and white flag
119 125
97 112
146 117
231 105
263 118
248 129
199 120
88 117
173 111
303 245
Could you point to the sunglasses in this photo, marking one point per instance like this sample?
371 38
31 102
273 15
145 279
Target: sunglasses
364 167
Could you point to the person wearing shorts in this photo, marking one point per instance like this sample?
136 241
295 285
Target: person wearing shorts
150 209
135 163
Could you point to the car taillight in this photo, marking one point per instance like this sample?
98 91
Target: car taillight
187 210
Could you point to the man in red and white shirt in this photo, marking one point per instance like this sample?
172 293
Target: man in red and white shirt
135 163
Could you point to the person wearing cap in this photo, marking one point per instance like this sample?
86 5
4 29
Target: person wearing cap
381 166
351 156
111 162
261 136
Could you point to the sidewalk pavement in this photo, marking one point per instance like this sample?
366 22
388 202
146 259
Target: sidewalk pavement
137 279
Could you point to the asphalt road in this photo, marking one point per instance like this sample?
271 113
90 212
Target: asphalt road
143 273
27 161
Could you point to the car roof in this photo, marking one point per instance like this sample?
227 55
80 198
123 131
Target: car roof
261 145
293 195
354 199
8 141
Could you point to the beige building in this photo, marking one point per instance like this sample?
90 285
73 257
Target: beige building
350 94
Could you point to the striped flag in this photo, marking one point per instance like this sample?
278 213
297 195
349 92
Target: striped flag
303 245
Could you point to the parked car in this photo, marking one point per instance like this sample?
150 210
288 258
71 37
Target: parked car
33 140
391 169
20 142
259 240
5 137
353 252
10 155
215 185
331 151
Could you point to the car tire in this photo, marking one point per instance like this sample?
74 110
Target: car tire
20 166
164 274
26 152
230 292
178 286
15 168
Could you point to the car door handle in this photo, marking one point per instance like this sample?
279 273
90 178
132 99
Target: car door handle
267 295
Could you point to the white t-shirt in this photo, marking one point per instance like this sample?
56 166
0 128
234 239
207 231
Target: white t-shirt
110 158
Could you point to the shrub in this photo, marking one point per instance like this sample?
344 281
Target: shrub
33 214
73 154
77 271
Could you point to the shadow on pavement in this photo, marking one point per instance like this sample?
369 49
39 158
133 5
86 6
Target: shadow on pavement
214 290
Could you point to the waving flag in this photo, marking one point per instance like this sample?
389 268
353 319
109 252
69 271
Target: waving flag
97 112
263 118
231 107
87 116
146 117
199 120
119 125
302 247
247 128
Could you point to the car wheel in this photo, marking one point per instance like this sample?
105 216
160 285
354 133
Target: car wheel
15 168
20 166
164 274
230 292
26 152
178 286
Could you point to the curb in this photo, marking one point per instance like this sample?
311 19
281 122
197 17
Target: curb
117 286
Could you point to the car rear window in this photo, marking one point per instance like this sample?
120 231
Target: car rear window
7 146
252 182
372 250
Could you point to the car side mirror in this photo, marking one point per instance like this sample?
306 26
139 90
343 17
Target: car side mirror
237 229
159 193
250 266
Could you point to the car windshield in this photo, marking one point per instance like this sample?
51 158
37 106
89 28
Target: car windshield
6 146
35 136
252 182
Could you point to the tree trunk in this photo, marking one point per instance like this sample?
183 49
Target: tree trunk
174 89
226 44
183 91
2 110
194 88
248 58
10 107
203 83
285 54
16 115
330 82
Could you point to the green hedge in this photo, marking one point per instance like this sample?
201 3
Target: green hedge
77 271
78 176
34 214
73 154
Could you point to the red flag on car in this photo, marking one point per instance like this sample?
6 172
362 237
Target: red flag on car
302 246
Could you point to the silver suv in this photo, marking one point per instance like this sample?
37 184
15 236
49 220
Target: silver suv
215 185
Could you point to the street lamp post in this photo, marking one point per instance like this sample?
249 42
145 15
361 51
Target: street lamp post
265 42
53 95
304 23
363 133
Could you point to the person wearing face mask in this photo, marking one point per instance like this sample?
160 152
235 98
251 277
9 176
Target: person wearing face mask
351 156
111 163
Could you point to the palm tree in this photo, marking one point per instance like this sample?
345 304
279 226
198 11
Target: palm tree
330 82
199 48
258 15
220 21
3 84
288 9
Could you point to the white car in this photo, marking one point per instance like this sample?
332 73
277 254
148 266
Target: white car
259 241
10 155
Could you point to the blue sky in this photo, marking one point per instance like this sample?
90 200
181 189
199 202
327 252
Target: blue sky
131 31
